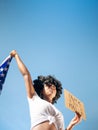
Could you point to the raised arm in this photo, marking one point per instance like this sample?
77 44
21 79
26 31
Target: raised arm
25 73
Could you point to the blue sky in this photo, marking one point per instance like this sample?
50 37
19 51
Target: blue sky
57 37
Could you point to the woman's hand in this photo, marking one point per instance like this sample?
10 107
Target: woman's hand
77 119
13 53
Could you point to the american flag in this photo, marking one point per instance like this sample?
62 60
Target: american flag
4 67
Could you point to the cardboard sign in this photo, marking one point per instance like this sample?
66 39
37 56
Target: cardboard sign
74 104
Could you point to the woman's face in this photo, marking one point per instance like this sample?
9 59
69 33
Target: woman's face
49 92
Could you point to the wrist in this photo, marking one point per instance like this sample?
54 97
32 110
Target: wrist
15 54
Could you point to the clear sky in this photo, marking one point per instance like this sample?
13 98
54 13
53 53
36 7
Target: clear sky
57 37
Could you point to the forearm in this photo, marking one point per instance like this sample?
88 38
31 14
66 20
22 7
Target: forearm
23 69
70 126
68 129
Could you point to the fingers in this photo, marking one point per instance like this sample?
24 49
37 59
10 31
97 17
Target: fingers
78 117
78 114
13 53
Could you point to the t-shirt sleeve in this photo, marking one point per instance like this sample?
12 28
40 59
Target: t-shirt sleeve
34 97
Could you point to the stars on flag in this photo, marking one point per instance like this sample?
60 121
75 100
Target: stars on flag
4 67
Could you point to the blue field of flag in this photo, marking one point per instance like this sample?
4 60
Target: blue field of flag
4 67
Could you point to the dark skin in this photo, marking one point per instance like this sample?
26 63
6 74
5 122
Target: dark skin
48 93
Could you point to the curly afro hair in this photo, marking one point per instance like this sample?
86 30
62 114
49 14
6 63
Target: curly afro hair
41 80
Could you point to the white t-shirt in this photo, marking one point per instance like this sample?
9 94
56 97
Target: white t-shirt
41 110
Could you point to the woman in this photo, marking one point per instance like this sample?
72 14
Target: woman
42 93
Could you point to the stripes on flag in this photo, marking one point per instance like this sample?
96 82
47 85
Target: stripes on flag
4 67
